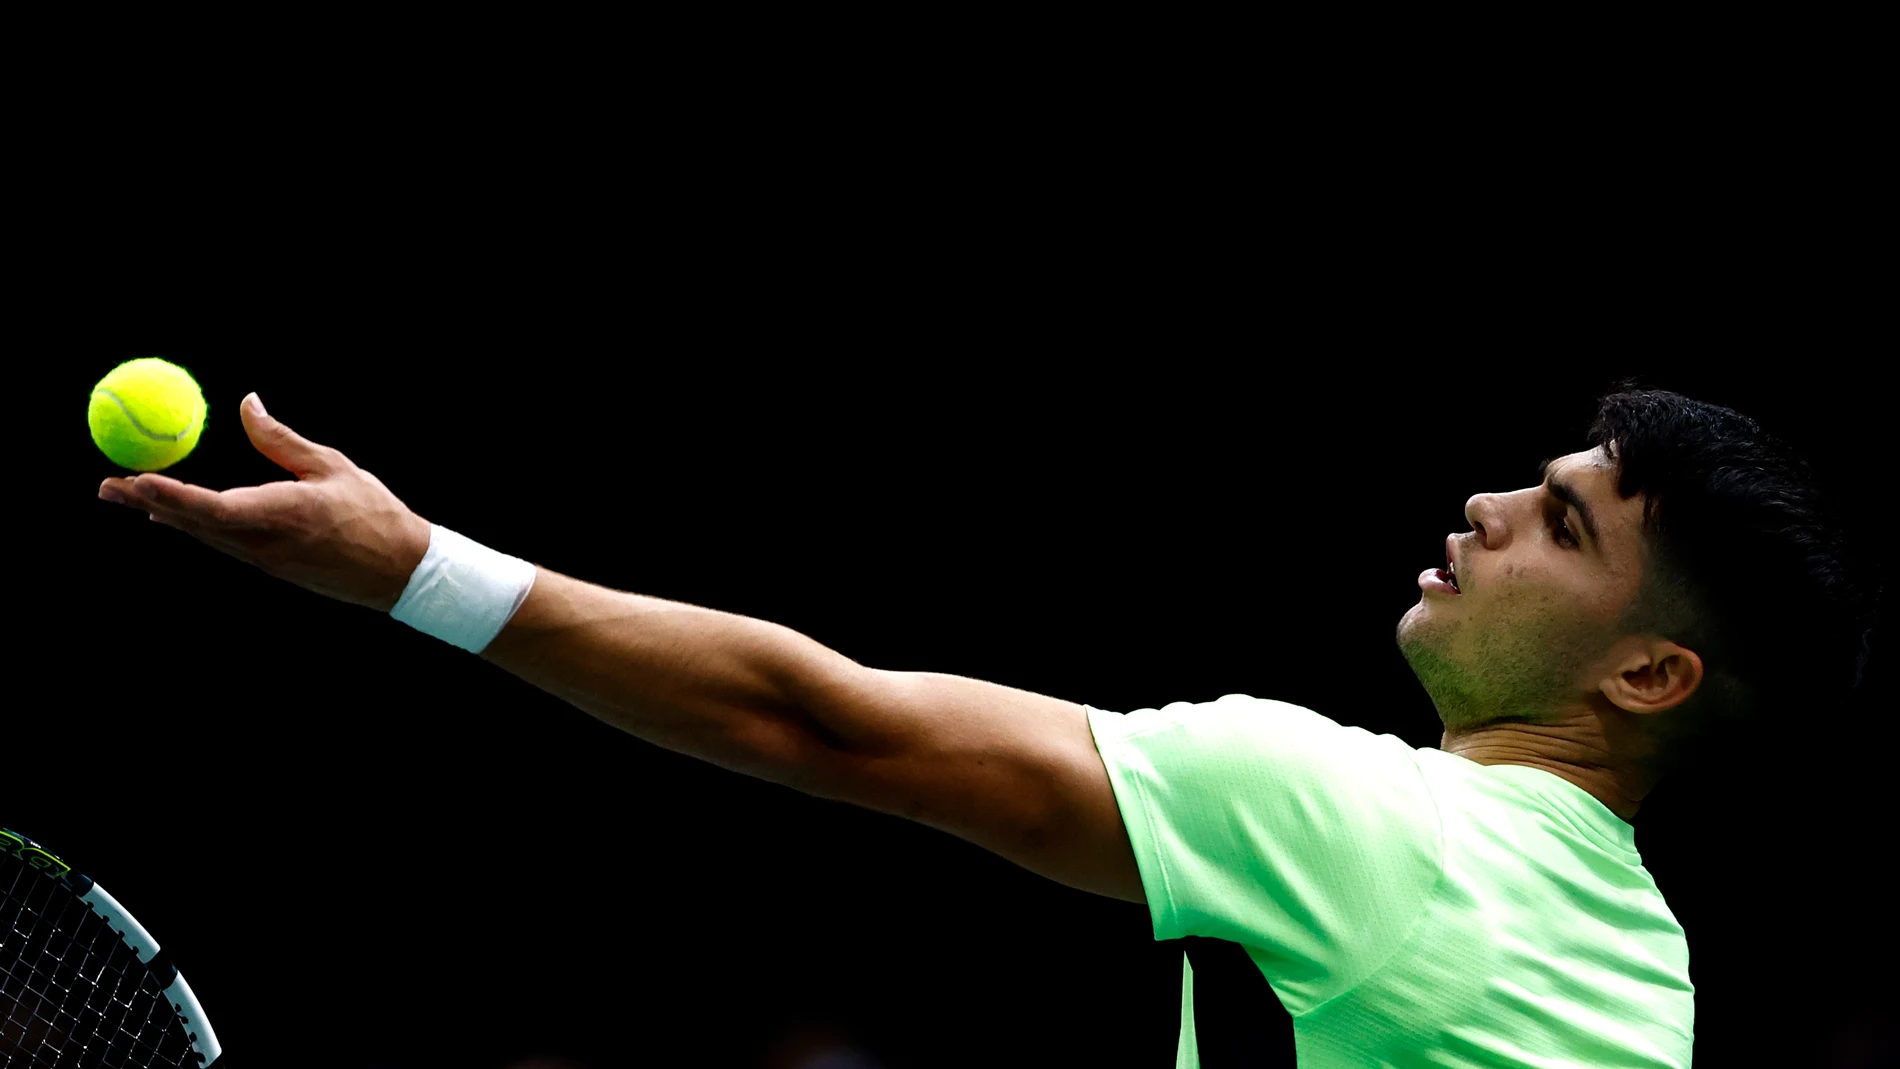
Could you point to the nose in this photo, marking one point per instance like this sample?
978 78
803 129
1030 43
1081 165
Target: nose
1484 514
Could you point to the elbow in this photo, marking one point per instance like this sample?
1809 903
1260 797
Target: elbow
797 751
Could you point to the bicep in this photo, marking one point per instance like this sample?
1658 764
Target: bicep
1014 772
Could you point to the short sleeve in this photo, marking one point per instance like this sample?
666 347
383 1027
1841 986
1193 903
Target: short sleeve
1314 845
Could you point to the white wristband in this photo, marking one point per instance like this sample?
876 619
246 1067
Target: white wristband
463 592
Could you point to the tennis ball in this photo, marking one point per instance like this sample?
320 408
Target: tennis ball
146 414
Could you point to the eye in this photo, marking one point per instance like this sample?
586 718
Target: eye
1561 526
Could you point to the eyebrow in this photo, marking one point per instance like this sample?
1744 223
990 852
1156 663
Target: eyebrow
1568 494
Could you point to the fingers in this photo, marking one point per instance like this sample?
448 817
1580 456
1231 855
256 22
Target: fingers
182 523
151 490
195 521
169 501
160 494
234 511
174 503
285 447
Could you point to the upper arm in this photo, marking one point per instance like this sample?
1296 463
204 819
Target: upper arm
1014 772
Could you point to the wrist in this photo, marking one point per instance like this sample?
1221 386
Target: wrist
461 591
411 548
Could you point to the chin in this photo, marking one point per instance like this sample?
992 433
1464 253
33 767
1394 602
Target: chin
1415 621
1419 643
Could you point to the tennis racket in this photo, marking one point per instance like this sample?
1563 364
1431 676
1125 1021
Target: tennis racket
83 984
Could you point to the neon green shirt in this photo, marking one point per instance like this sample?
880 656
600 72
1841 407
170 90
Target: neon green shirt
1409 907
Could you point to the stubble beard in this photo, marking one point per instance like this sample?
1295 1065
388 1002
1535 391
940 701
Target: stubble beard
1515 671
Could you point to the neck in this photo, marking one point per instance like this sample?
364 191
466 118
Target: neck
1597 752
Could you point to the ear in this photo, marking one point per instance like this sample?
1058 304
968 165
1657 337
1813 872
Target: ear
1652 676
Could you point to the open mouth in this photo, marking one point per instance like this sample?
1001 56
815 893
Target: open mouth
1443 581
1449 573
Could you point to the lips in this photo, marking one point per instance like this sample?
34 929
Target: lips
1443 582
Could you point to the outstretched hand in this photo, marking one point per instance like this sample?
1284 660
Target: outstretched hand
336 530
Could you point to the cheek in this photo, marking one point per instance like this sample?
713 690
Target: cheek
1600 593
1545 590
1520 585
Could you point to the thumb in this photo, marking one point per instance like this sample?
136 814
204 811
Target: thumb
286 448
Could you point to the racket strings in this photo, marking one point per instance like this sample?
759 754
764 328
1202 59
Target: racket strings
73 994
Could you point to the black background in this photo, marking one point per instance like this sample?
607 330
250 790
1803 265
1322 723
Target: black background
1124 422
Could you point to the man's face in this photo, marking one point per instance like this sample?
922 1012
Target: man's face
1541 583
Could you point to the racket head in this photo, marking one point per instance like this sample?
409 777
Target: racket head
82 983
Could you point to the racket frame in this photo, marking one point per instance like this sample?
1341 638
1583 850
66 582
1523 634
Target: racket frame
184 1001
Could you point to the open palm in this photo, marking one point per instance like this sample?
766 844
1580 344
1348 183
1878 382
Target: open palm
336 529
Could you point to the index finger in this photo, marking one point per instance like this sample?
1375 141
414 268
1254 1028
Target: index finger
165 492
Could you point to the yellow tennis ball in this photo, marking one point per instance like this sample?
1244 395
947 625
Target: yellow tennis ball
146 414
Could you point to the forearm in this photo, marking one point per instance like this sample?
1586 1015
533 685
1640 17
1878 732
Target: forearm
745 694
1015 772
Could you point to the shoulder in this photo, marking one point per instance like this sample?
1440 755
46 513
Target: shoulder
1269 824
1228 709
1240 724
1241 753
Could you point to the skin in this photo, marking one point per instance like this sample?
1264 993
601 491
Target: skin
336 530
1526 666
1015 772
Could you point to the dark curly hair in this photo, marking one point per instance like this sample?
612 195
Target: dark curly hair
1744 561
